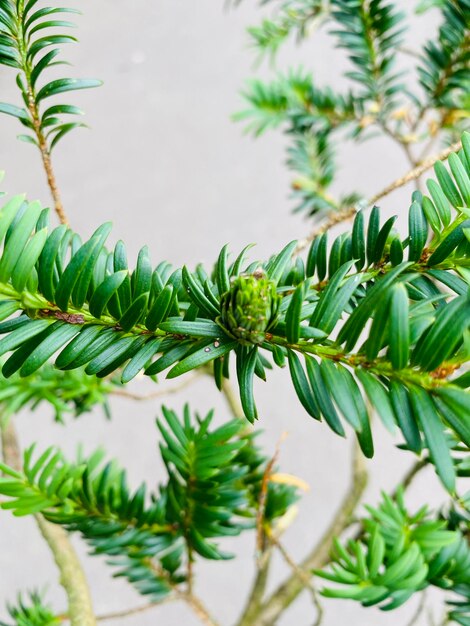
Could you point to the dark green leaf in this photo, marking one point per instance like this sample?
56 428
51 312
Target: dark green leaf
356 322
440 339
372 233
197 328
208 352
399 347
77 265
322 396
62 85
447 185
293 315
358 240
302 386
378 398
434 435
418 229
404 416
197 295
105 291
62 334
222 273
246 361
275 269
16 243
447 245
135 313
160 308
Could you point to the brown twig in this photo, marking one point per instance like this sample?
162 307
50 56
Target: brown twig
288 591
63 617
263 494
123 393
258 589
402 142
303 577
189 568
419 610
263 547
50 175
134 611
194 602
72 577
410 475
36 120
199 609
348 213
186 596
416 172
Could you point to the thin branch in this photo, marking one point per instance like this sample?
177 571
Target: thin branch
302 576
402 142
411 474
258 589
36 120
72 577
263 494
187 596
263 547
432 139
11 452
199 609
63 617
289 590
190 599
419 610
416 172
134 611
47 163
123 393
189 568
348 213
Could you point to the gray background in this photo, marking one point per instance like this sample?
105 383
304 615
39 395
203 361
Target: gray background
164 162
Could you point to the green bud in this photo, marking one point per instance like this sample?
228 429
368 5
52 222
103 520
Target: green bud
250 308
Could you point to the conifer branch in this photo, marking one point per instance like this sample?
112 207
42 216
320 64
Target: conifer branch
28 40
160 393
257 591
35 116
347 214
72 577
285 594
376 322
305 578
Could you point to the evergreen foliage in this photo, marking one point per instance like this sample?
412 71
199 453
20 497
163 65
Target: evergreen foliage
373 35
67 392
80 302
373 322
399 554
444 73
213 482
30 40
31 613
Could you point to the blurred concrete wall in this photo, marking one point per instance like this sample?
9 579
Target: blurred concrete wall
166 164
